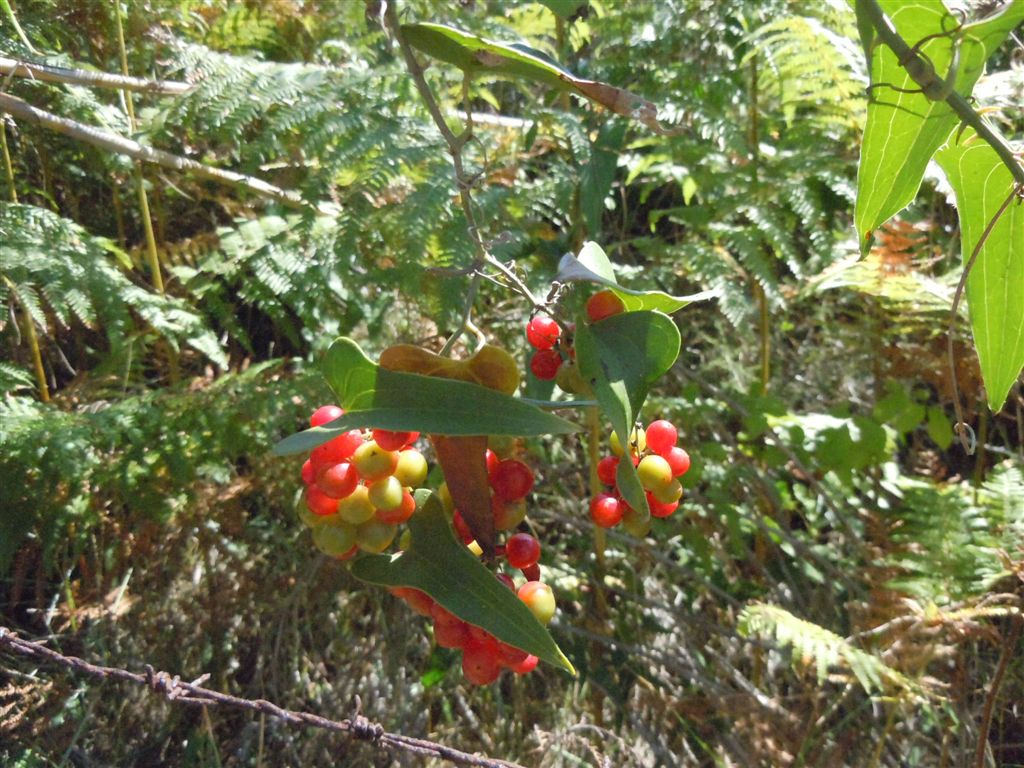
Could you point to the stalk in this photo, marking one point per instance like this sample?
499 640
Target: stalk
8 166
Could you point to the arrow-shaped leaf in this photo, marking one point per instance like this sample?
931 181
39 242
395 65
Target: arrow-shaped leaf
438 565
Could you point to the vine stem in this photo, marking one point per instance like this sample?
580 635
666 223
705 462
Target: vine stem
962 428
194 694
464 182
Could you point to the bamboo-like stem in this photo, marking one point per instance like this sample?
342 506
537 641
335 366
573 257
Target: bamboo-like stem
33 342
119 144
9 13
49 74
8 166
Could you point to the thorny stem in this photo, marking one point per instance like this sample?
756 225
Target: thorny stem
962 428
463 181
194 694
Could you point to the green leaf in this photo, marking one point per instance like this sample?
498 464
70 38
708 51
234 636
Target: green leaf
593 266
904 129
473 54
564 9
599 173
376 397
995 286
621 357
438 565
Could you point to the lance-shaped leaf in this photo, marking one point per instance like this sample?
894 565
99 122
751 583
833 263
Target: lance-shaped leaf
376 397
621 357
904 127
472 54
995 286
438 565
593 266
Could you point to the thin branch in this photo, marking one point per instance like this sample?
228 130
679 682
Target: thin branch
1009 649
962 427
921 71
194 694
48 74
119 144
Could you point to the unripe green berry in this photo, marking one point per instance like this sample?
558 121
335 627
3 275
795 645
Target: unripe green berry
356 508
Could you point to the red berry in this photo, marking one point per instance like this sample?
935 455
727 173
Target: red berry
337 450
394 441
542 332
480 663
678 460
320 503
523 550
453 635
606 510
492 460
545 364
526 666
462 527
419 601
308 476
509 655
339 480
660 509
604 304
505 579
324 415
661 436
532 572
399 514
606 469
511 480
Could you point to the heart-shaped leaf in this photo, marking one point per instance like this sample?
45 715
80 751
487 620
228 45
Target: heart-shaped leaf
621 357
472 53
376 397
438 565
904 127
995 287
593 266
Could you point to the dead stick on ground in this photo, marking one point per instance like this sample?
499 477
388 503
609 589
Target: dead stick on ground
193 694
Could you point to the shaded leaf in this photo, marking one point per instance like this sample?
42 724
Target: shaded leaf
440 566
621 357
376 397
995 286
464 463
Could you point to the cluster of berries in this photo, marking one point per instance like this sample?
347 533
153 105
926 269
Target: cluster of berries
659 463
483 655
545 336
359 487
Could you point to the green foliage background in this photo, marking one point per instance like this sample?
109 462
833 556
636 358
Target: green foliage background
142 518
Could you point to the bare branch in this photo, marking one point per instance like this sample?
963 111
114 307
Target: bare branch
194 694
49 74
119 144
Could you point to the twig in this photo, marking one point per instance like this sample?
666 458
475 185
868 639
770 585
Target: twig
922 72
961 426
114 143
1009 649
194 694
49 74
463 181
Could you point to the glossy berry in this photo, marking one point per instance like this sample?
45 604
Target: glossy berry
394 441
522 550
661 436
668 493
356 507
545 364
542 332
539 599
462 527
492 460
338 481
419 601
386 494
411 469
511 480
606 510
637 442
678 460
661 509
337 450
479 662
454 635
308 475
654 472
507 514
606 469
604 304
334 540
324 415
509 655
526 666
375 536
320 503
373 462
399 514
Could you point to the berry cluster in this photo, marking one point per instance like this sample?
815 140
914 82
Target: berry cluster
545 336
659 463
359 487
483 655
